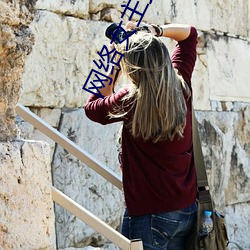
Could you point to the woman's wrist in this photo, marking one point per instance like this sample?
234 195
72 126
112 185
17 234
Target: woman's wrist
158 30
161 31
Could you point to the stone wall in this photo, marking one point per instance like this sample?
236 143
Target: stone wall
26 207
68 35
15 43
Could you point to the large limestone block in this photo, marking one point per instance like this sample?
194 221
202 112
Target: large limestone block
225 140
61 60
26 207
220 74
228 61
82 184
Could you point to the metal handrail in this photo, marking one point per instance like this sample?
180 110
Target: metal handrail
66 202
97 224
70 146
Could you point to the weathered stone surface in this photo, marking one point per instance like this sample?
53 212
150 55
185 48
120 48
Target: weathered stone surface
15 43
229 16
225 138
231 69
82 184
236 14
238 221
190 11
57 68
26 207
17 12
219 64
56 80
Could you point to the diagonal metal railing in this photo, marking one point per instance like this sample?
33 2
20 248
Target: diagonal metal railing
93 221
70 146
66 202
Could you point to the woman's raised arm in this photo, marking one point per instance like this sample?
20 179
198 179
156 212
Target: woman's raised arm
178 32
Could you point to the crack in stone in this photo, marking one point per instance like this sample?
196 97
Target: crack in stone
66 14
22 155
202 61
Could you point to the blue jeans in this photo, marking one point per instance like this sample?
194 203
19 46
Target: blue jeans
161 231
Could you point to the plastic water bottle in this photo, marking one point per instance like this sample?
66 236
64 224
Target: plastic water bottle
207 223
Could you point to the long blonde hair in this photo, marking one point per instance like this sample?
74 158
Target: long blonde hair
159 102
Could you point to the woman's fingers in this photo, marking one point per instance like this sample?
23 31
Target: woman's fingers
112 46
130 25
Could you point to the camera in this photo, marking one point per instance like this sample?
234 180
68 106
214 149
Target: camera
121 34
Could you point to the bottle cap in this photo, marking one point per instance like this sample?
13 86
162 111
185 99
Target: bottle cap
207 213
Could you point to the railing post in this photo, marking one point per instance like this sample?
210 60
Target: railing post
136 245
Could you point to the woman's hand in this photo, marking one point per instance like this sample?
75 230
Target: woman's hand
130 25
148 28
112 46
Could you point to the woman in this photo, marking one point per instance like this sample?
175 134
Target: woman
157 151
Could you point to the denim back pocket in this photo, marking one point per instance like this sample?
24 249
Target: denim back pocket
163 229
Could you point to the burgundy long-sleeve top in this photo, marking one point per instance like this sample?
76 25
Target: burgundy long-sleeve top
157 177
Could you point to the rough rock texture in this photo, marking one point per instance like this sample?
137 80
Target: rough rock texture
68 35
226 144
15 43
225 139
211 15
238 224
61 81
26 207
220 73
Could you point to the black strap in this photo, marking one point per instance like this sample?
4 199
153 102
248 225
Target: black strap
201 174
